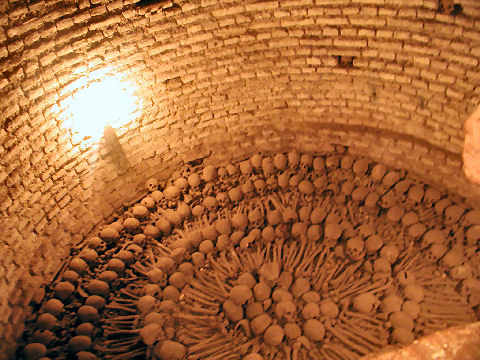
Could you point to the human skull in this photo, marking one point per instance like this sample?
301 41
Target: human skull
194 180
209 173
431 196
435 252
232 169
268 166
284 180
388 200
260 187
452 214
248 189
210 203
246 167
222 199
223 174
306 161
415 193
318 165
360 167
272 184
280 161
378 172
332 162
182 184
293 160
255 218
151 184
256 161
286 310
355 248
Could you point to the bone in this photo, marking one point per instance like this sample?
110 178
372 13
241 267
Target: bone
253 266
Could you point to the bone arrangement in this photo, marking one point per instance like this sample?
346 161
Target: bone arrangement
279 256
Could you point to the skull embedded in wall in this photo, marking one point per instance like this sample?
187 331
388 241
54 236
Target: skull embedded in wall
431 196
280 161
293 160
268 166
272 184
151 184
452 214
306 161
232 170
260 187
318 165
286 310
355 248
222 199
435 252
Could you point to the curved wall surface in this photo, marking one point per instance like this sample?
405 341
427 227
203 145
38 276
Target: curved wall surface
217 80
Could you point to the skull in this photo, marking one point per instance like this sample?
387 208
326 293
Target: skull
268 166
388 200
209 173
293 159
232 170
235 194
381 269
272 184
306 161
248 189
415 193
210 203
223 174
222 199
433 236
256 161
365 303
280 161
431 196
260 187
286 310
318 165
332 233
378 172
256 218
151 184
360 167
182 184
435 252
246 167
355 248
194 180
284 180
346 163
453 213
332 163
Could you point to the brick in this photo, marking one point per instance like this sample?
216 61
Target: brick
349 43
263 5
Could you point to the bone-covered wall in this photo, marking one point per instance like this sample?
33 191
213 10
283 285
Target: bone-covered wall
218 80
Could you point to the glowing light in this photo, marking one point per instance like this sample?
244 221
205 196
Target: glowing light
97 100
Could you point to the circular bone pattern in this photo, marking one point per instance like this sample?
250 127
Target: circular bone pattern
285 256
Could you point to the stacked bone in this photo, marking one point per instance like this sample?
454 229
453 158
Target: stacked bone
282 256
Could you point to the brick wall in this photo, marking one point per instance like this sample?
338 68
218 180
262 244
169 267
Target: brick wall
219 79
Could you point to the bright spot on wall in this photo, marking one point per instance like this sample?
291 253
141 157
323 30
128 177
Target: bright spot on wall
98 99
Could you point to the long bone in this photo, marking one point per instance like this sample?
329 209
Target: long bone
372 318
340 352
342 337
307 261
361 336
